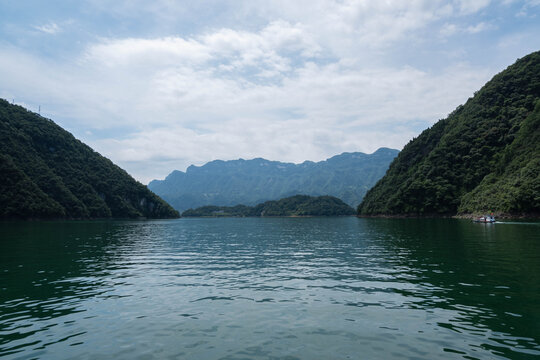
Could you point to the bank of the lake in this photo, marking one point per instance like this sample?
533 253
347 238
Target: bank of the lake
534 217
269 288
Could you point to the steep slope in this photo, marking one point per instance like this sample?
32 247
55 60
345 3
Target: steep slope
47 173
299 205
485 142
514 185
225 183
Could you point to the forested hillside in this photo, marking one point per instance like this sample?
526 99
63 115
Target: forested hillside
483 157
513 187
299 205
226 183
48 174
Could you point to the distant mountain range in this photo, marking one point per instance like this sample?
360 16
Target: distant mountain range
484 157
227 183
48 174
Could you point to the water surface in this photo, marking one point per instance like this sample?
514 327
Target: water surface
281 288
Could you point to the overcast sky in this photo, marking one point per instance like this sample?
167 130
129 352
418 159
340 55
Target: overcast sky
159 85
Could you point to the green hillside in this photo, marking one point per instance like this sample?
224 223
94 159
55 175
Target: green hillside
299 205
483 157
48 174
514 185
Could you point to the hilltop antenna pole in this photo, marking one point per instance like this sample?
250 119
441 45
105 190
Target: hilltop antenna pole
39 110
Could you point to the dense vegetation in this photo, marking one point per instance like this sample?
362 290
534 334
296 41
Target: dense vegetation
48 174
226 183
299 205
484 156
513 187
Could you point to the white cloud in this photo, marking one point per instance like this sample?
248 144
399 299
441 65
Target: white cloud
472 6
179 107
322 111
167 51
528 9
268 51
311 79
482 26
347 28
448 30
50 28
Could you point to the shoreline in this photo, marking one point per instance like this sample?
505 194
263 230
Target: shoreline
533 216
263 217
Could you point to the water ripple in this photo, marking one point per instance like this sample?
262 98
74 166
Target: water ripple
269 289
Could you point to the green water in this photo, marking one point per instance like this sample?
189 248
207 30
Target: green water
283 288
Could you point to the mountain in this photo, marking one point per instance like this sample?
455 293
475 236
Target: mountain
299 205
48 174
514 185
485 156
225 183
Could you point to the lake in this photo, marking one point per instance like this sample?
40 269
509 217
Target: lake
270 288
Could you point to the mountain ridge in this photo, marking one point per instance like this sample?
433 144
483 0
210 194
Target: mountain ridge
49 174
249 182
474 160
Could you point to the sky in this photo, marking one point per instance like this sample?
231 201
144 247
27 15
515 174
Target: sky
159 85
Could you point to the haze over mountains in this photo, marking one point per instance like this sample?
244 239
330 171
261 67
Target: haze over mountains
249 182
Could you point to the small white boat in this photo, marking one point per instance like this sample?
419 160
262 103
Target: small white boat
485 219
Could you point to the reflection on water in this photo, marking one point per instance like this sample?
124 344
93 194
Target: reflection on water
322 288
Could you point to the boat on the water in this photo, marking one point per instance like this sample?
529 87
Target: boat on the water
485 219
